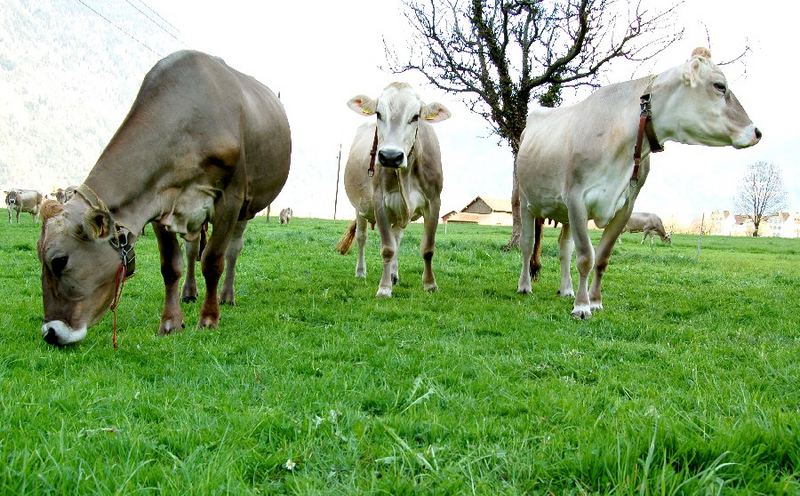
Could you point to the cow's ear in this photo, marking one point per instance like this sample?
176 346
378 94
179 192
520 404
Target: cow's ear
362 104
692 67
96 224
434 112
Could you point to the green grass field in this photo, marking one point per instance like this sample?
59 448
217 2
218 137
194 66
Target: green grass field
686 384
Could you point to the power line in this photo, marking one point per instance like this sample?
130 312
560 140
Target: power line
158 15
153 21
119 28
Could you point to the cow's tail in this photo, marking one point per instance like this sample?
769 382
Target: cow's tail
203 240
347 239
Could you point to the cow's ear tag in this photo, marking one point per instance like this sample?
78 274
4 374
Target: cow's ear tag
435 112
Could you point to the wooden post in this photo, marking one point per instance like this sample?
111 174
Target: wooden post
700 239
338 167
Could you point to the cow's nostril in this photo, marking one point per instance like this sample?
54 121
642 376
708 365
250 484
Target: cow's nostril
758 133
390 158
50 335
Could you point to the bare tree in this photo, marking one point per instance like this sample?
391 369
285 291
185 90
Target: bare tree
499 54
761 192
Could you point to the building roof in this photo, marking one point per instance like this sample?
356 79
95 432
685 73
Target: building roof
496 204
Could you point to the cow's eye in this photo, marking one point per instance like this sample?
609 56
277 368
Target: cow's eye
58 264
414 119
380 117
720 87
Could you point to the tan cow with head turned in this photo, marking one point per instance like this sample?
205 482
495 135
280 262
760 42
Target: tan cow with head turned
406 183
576 163
202 142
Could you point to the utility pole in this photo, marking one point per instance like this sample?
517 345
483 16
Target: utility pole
338 168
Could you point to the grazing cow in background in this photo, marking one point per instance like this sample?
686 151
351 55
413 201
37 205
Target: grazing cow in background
286 215
406 185
69 192
59 195
23 200
202 142
648 224
590 160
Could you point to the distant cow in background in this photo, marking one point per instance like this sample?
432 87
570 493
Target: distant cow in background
649 224
59 195
286 215
406 186
23 200
63 195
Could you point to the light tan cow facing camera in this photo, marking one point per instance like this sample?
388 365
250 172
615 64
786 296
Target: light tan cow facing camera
394 176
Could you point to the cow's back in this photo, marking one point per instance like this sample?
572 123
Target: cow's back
212 126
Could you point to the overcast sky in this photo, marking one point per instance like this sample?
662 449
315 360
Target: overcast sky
319 53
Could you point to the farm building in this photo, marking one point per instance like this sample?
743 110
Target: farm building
483 210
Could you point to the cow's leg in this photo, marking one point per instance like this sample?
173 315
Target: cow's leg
526 243
536 259
361 240
578 219
192 249
397 232
388 247
603 255
428 245
171 267
231 255
17 210
565 246
213 258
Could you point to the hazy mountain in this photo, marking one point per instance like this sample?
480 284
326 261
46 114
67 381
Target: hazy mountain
69 71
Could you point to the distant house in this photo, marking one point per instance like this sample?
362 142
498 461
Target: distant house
483 210
784 225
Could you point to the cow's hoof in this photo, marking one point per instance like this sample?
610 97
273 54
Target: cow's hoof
582 312
395 279
566 293
189 299
596 305
361 274
431 287
384 293
170 326
524 289
209 322
227 299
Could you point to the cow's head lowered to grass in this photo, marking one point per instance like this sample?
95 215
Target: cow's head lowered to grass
79 265
702 110
398 111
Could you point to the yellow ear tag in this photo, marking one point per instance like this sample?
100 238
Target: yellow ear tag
364 111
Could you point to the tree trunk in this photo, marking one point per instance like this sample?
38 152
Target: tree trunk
516 229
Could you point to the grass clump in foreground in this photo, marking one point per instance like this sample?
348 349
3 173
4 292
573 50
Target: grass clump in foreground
685 384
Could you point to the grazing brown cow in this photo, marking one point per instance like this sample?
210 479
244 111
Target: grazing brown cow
202 142
406 186
23 200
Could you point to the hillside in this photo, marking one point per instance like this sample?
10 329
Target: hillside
68 74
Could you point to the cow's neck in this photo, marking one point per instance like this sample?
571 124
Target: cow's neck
128 187
662 88
398 181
